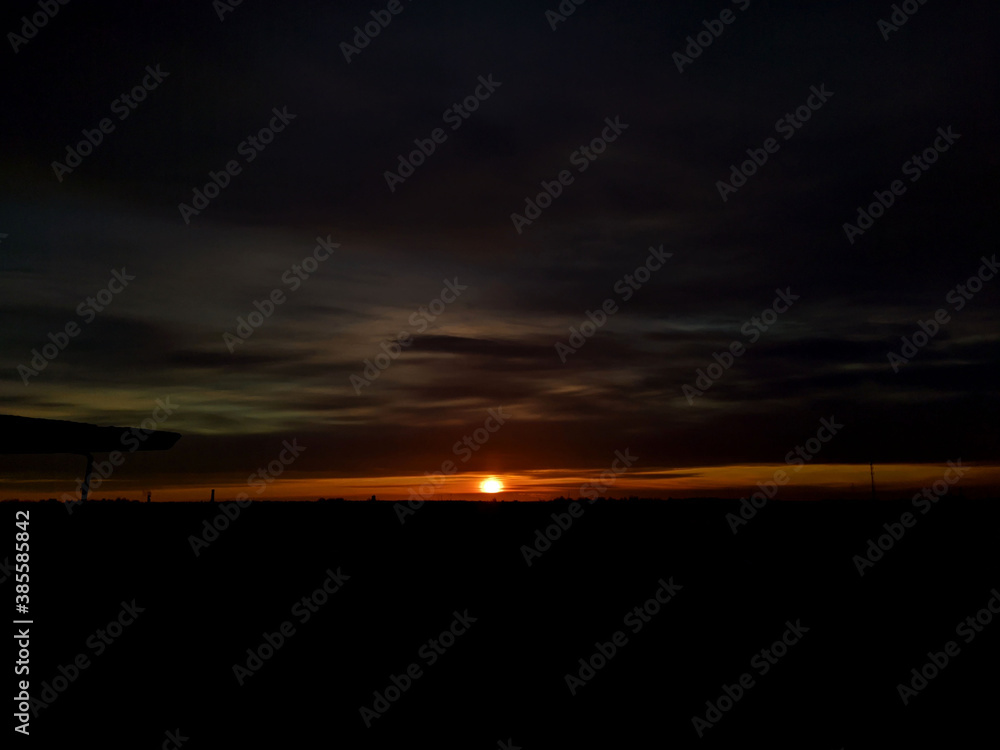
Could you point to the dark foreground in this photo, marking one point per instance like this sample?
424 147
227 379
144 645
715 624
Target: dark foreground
849 640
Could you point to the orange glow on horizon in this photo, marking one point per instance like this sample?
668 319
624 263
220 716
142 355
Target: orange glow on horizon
491 485
734 481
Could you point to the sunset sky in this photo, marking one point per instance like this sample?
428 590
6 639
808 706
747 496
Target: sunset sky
484 299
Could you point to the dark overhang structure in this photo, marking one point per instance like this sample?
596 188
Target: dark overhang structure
21 435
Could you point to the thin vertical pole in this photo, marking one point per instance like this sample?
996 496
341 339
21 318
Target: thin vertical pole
85 490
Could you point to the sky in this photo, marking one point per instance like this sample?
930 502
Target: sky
730 174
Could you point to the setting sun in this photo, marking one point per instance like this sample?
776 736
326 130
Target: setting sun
492 485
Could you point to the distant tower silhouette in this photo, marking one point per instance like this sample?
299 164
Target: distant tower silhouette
85 487
213 497
149 495
872 467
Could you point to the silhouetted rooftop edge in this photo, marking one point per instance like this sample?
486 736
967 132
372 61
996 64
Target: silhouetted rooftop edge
34 435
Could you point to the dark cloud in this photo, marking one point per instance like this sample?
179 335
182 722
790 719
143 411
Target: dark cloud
655 185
